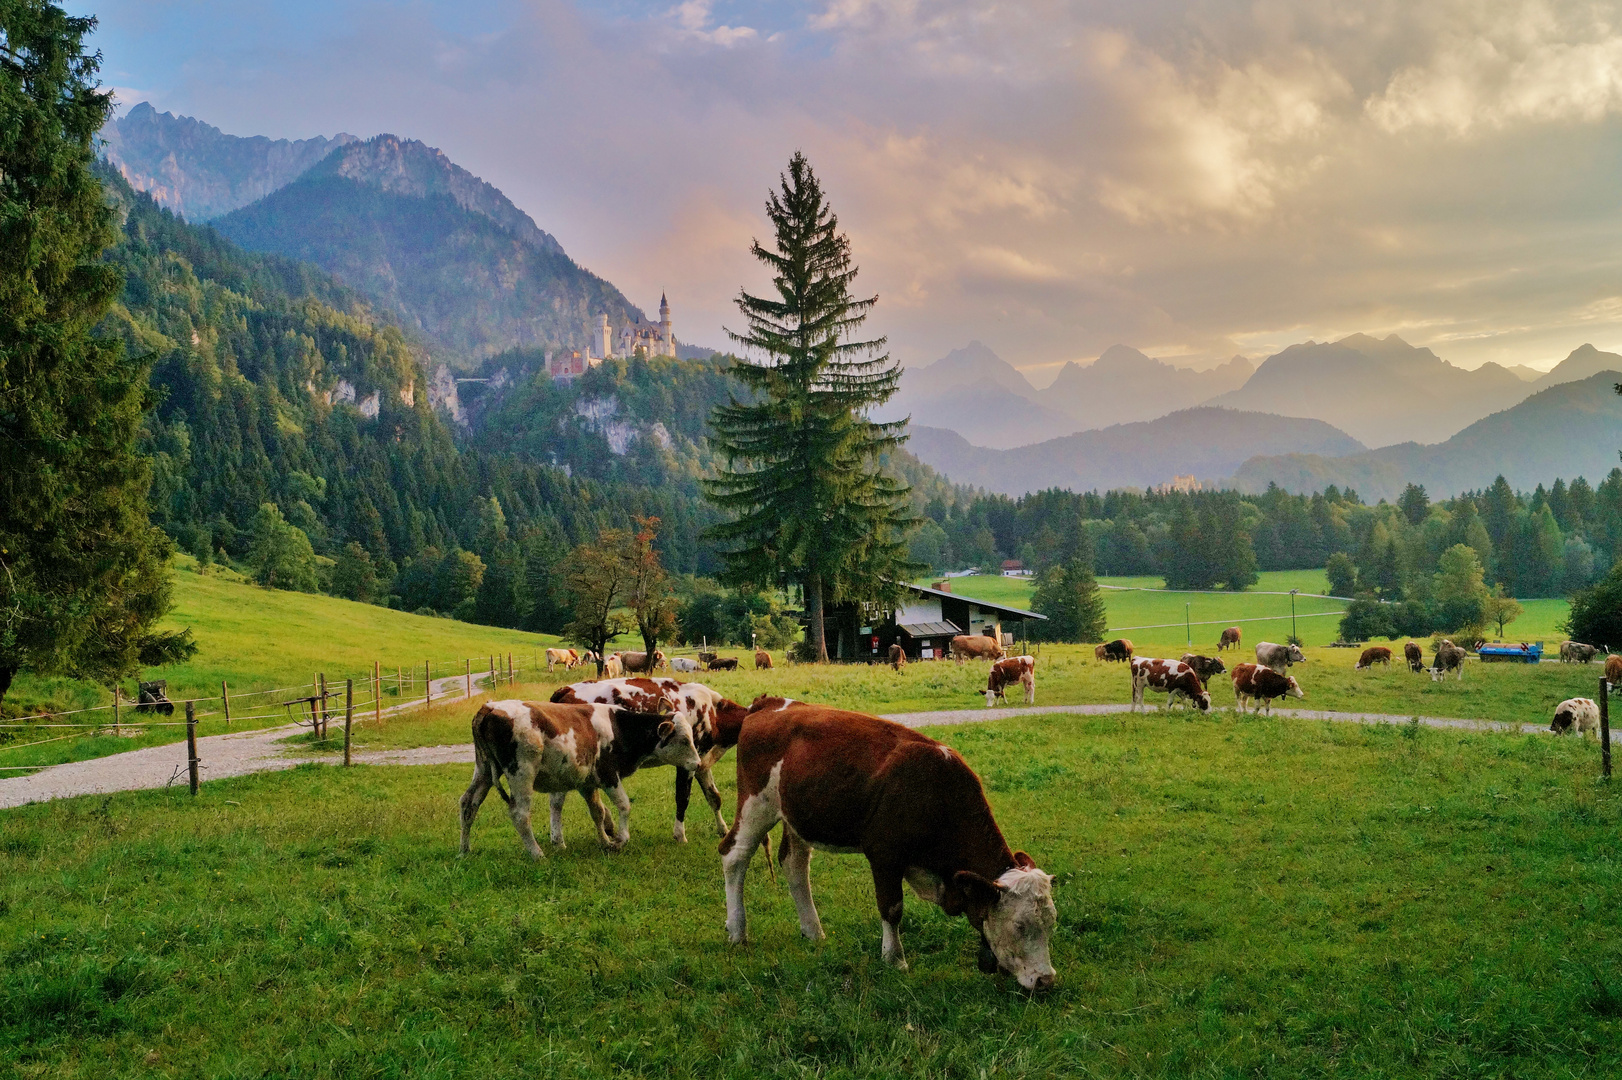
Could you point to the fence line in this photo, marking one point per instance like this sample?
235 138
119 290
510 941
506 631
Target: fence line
1222 622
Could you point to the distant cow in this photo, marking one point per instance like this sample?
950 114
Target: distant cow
563 748
1577 714
1119 649
1173 678
1449 657
1206 667
567 657
1613 672
1005 673
1264 684
975 647
1415 657
1575 652
1230 638
898 657
640 663
763 660
683 664
1278 657
613 668
1374 654
724 663
847 782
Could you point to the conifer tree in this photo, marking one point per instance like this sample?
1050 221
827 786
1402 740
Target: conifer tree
82 570
800 461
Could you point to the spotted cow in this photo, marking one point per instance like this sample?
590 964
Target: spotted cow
1005 673
1578 714
1173 678
1263 684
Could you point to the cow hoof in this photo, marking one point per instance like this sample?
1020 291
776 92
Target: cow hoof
679 833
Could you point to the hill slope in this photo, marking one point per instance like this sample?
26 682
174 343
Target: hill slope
1207 442
197 170
1569 430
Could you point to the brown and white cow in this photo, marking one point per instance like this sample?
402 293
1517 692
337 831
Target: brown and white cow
704 708
1578 714
1173 678
567 657
1119 649
898 657
1005 673
976 647
846 782
1230 639
1374 654
1206 667
1264 684
1278 657
1415 656
562 748
1613 672
763 660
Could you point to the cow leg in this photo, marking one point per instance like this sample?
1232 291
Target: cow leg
797 875
1030 689
684 792
712 795
523 782
757 813
622 803
557 817
887 892
473 797
599 818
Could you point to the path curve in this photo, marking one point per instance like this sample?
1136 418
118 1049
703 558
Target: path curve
238 754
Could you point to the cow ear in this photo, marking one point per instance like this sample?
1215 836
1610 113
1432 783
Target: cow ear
666 730
979 892
1024 861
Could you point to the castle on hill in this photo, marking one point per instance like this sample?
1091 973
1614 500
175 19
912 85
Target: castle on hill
634 338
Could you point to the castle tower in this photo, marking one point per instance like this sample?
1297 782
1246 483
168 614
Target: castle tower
669 348
602 340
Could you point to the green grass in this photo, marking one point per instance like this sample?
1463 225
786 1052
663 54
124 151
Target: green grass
1236 898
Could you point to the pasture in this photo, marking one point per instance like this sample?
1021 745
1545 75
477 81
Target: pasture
1236 897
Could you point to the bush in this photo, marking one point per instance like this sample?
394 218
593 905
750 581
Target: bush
1414 619
1596 613
1365 619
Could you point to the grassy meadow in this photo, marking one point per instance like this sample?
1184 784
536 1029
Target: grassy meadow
1237 897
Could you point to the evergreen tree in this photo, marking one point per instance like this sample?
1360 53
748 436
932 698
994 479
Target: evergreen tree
1071 599
1342 574
1414 503
355 577
800 459
82 571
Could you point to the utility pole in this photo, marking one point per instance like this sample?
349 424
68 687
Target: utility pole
1188 627
1293 635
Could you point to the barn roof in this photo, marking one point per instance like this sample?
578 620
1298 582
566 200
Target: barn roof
929 629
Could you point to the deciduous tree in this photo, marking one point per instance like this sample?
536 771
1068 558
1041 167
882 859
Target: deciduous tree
598 580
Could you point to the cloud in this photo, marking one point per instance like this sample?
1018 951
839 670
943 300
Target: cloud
694 17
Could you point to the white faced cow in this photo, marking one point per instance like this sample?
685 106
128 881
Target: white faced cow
846 782
1005 673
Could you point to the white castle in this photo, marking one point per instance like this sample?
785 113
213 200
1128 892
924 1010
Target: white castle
635 338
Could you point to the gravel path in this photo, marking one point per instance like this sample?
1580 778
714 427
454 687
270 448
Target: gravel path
260 751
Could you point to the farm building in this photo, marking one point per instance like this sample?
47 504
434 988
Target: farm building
924 624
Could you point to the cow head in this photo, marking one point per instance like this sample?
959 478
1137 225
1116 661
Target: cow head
675 746
1016 917
1098 652
1563 722
1295 654
1295 688
1203 700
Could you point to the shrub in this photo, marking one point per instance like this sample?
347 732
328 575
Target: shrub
1596 612
1365 619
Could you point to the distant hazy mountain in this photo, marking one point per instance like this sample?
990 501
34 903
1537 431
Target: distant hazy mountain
1124 385
1584 361
978 394
448 253
1571 429
199 171
1207 443
1524 373
1381 391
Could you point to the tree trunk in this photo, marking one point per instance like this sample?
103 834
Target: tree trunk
6 675
813 612
650 645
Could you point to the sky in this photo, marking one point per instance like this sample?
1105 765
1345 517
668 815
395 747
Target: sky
1194 179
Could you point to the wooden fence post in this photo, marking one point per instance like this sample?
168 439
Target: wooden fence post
191 743
399 686
467 676
321 678
1605 728
427 686
116 694
225 696
377 691
349 715
510 679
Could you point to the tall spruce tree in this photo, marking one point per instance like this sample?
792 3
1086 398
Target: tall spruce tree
82 570
800 461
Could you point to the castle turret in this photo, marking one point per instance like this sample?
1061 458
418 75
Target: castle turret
669 339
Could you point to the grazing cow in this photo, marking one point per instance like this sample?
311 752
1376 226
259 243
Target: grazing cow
1449 657
724 663
683 664
975 647
1415 657
563 748
1374 654
1577 714
1278 657
705 708
1206 667
763 659
613 668
641 663
847 782
1575 652
1613 672
567 657
1230 637
1173 678
898 657
1262 683
1119 649
1005 673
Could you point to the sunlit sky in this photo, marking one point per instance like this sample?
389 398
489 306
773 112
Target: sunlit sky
1193 179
